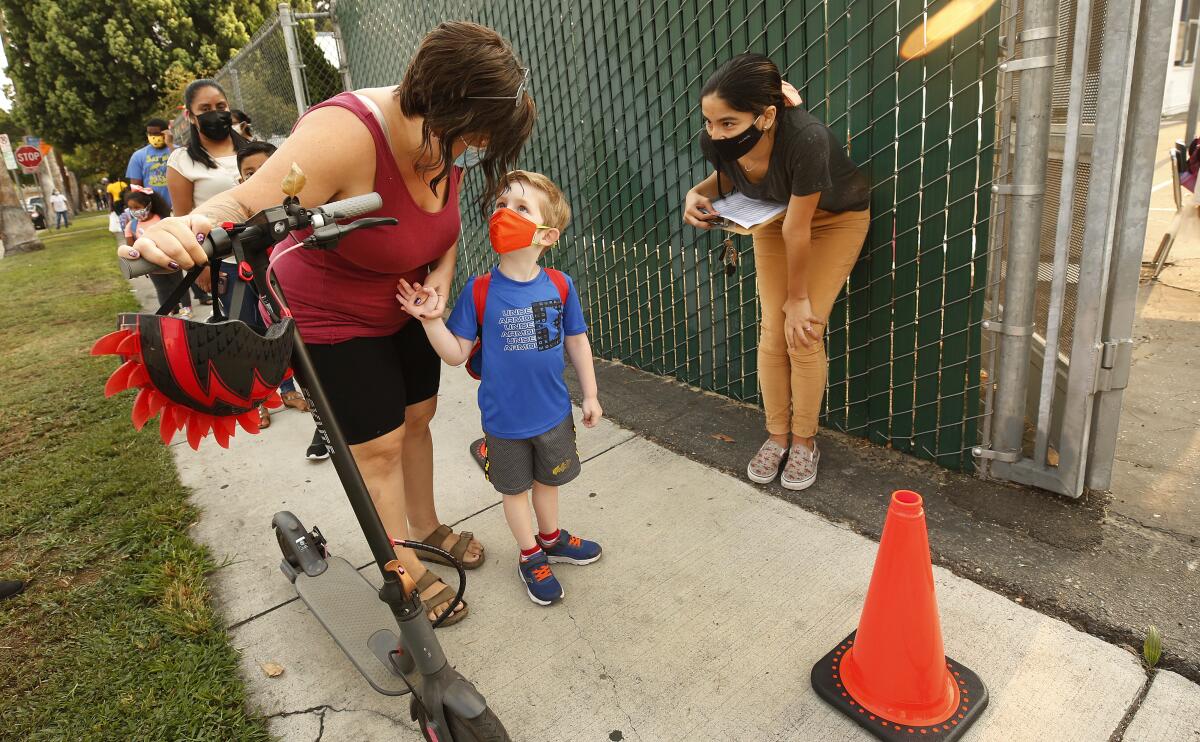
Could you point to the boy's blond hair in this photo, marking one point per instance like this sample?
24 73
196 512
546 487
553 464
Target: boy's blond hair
555 210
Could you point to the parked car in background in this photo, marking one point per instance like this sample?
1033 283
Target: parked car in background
36 206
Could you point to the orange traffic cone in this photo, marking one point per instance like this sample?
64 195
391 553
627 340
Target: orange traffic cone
892 675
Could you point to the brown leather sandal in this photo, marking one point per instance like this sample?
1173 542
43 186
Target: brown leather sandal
443 596
264 417
295 400
458 550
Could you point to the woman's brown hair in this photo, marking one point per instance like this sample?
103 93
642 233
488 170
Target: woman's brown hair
466 80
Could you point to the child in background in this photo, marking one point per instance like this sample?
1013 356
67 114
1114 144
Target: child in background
529 315
144 207
250 158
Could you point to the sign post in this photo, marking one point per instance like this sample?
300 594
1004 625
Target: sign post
6 146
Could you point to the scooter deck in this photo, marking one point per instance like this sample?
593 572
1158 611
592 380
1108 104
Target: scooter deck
349 608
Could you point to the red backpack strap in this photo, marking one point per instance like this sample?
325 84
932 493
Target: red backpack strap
479 293
559 279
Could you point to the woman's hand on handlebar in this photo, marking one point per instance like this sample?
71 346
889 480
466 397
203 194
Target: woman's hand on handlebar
175 242
422 302
695 206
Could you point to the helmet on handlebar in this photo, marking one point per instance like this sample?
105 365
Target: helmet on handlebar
205 377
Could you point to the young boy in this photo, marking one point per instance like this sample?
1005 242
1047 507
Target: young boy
526 410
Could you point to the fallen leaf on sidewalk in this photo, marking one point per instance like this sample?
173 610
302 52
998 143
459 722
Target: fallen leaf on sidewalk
272 669
722 437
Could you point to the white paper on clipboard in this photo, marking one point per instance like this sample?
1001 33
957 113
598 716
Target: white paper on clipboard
747 212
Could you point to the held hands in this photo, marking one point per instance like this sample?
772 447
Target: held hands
175 242
692 213
422 302
801 327
591 412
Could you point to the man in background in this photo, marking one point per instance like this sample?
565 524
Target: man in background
148 165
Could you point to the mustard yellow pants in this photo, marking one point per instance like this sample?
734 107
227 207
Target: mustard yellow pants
793 382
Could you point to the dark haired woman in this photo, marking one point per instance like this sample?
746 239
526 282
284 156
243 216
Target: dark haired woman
769 151
242 124
208 165
464 87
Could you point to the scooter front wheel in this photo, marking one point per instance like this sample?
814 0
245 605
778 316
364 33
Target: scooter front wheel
483 728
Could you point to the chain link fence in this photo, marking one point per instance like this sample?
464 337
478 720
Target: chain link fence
259 79
617 85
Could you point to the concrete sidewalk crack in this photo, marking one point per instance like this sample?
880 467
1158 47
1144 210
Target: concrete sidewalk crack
260 614
1129 520
321 730
1119 733
604 672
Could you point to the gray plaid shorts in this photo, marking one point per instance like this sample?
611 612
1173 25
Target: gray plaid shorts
512 466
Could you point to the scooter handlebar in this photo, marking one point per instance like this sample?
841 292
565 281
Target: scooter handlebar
347 208
142 267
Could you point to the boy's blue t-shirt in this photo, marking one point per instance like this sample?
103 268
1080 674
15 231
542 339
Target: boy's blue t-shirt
522 393
149 165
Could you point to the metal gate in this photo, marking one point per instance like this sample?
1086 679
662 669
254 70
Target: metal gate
1080 102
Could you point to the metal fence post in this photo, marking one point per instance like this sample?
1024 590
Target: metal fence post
288 24
1036 67
1133 206
343 59
235 85
1194 100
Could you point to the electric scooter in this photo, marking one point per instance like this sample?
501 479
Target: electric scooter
386 634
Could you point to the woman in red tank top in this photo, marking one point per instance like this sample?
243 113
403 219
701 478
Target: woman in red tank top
464 88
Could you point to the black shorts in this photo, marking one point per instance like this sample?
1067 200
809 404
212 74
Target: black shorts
513 465
370 381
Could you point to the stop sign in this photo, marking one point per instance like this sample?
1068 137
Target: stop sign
28 157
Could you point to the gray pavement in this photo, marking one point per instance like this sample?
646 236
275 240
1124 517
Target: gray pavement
701 622
1156 476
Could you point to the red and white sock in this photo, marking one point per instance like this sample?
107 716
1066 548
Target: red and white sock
527 554
548 540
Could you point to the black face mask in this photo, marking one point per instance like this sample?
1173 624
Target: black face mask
739 144
216 125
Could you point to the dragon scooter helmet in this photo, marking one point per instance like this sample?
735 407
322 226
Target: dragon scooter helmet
205 377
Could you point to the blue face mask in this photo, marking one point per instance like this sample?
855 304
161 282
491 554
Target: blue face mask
471 156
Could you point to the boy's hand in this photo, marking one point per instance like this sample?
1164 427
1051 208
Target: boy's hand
591 412
422 302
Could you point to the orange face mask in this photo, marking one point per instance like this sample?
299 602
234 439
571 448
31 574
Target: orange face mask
510 231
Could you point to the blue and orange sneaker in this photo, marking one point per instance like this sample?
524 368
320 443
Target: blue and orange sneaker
541 584
568 549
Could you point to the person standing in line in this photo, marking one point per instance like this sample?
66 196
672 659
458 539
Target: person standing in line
207 167
242 124
148 165
58 202
114 187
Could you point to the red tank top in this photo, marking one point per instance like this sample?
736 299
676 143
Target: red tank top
350 291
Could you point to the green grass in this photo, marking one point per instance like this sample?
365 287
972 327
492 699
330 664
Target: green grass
115 636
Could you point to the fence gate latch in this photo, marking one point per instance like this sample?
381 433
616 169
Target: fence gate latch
1115 359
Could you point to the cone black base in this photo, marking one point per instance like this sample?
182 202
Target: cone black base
974 700
477 454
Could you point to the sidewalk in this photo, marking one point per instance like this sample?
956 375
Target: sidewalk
702 621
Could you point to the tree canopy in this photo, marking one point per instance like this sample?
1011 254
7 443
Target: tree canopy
88 73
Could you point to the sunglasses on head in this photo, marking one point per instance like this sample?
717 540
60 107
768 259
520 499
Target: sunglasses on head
515 98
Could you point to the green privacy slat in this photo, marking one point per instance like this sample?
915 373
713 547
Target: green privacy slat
931 267
960 220
617 89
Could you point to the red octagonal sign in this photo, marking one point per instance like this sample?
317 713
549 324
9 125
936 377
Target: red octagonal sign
28 157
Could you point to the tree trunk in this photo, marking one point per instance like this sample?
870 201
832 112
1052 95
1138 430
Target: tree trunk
16 228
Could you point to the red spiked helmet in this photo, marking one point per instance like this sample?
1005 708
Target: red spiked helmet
205 377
